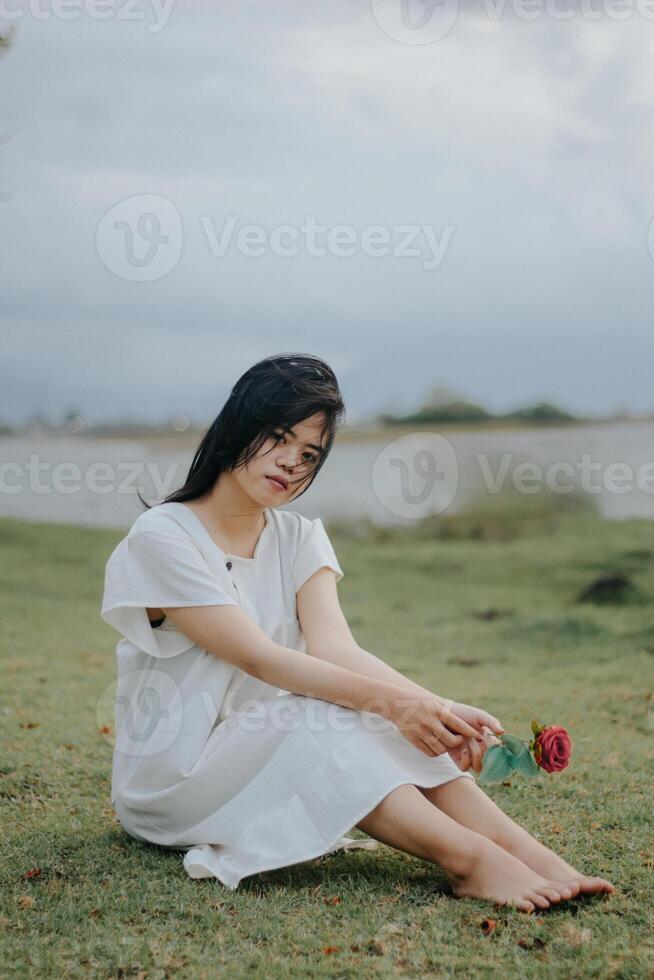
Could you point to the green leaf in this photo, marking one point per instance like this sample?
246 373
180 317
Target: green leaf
535 727
514 744
497 765
525 764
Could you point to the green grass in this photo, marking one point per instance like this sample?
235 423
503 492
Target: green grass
101 904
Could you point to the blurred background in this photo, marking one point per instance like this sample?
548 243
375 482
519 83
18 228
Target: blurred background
450 203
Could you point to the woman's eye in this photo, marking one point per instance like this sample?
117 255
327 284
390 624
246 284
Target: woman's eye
308 457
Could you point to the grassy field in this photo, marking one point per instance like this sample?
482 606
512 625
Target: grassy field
489 621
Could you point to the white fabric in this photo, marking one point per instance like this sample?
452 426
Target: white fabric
241 775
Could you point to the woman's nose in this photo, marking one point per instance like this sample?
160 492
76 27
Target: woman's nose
290 460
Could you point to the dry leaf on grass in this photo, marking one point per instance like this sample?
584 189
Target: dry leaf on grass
576 936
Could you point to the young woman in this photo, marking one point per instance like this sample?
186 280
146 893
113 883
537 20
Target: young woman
252 731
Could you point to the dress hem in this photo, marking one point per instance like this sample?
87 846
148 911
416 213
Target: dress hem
233 882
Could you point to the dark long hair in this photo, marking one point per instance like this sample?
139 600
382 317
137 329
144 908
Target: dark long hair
275 393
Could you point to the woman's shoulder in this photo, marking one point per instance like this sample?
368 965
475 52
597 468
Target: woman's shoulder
292 526
289 519
163 518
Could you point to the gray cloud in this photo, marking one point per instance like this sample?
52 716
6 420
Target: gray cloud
531 139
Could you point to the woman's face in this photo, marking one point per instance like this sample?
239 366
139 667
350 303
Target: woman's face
286 456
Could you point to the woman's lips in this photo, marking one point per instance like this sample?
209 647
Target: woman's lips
277 486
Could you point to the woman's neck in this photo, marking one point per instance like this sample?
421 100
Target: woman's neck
233 518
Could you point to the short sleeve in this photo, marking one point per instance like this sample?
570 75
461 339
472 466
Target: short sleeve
155 569
314 550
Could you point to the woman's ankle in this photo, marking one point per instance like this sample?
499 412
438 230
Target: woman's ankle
460 859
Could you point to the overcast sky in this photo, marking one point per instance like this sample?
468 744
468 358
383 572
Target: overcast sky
511 158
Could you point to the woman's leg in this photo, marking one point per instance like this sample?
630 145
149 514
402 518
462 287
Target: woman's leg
475 866
466 803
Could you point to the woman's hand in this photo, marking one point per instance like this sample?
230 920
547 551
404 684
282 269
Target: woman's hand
430 725
470 754
476 717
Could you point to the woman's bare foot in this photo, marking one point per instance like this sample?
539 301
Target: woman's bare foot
495 874
545 862
509 835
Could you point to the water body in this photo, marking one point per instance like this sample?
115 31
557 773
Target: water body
93 482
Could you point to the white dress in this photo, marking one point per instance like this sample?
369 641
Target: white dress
242 776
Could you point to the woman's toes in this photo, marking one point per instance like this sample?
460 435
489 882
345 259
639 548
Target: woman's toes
553 894
526 906
564 890
592 885
539 900
567 889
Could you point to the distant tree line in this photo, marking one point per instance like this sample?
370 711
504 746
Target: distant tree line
6 37
443 407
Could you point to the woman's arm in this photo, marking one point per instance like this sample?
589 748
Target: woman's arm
329 638
328 635
226 631
353 657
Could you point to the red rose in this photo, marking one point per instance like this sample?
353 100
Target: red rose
552 748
